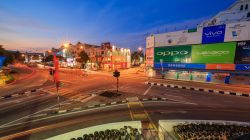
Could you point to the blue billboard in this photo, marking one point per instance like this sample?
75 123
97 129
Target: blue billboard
179 66
245 67
213 34
2 58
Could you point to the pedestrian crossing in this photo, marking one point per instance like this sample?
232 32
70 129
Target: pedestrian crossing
53 90
128 74
68 94
138 113
79 98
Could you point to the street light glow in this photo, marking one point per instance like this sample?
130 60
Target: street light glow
66 45
113 47
140 49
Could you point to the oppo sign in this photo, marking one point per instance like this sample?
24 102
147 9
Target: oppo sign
171 53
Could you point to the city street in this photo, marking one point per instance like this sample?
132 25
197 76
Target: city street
28 111
124 70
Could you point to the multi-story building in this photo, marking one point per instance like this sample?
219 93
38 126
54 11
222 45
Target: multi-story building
114 58
100 57
33 57
71 52
217 50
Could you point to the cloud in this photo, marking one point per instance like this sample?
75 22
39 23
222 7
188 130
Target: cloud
9 18
136 39
6 30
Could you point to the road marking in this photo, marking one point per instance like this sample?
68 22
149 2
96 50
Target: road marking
170 112
3 125
173 96
148 90
59 115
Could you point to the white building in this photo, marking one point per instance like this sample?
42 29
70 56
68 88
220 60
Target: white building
231 25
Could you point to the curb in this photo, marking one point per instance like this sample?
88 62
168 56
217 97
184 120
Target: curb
199 89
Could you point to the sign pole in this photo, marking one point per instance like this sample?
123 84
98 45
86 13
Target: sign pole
117 85
161 60
56 77
58 99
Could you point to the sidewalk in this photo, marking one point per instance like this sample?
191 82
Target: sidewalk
211 86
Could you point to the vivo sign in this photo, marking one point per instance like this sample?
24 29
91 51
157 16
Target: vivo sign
213 34
245 67
172 53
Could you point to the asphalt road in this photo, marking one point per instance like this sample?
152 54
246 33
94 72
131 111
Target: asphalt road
186 104
28 78
157 110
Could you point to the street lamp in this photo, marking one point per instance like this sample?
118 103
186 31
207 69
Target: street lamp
113 47
66 45
140 50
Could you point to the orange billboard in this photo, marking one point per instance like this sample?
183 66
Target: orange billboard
220 66
150 57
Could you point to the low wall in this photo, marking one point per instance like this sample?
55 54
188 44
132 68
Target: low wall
88 130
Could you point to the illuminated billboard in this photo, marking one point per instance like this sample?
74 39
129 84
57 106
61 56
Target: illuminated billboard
213 34
242 55
150 56
220 53
2 58
173 54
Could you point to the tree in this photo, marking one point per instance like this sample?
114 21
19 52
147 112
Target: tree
9 56
35 57
135 57
83 57
49 58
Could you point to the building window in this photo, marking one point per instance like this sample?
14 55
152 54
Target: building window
246 7
241 7
248 14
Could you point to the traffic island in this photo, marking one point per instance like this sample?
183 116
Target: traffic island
110 94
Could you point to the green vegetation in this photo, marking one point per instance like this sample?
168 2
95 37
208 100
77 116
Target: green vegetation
6 79
50 58
9 56
83 58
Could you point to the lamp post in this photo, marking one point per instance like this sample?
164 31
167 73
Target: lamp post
140 49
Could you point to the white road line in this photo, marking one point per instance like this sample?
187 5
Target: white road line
30 115
148 90
173 96
64 114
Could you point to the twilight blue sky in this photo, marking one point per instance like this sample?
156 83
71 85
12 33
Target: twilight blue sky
42 24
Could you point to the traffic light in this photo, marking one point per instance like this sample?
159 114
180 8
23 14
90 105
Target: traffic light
116 73
51 71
